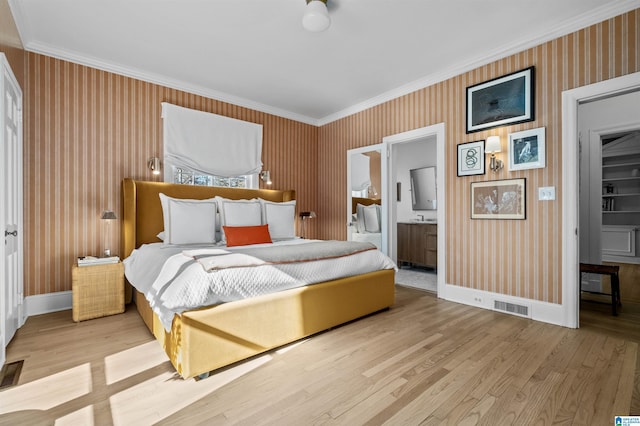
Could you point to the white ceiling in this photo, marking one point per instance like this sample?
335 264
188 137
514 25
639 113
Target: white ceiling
255 53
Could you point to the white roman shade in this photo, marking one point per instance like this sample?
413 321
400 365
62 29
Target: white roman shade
209 143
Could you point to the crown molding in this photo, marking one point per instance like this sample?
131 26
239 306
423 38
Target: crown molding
579 22
167 82
47 50
26 35
24 31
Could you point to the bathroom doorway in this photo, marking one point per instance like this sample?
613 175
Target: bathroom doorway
417 227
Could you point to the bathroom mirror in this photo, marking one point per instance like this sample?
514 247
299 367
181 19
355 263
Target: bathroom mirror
423 188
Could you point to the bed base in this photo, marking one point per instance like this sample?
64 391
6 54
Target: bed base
206 339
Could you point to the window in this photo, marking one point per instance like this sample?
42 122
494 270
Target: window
188 177
217 162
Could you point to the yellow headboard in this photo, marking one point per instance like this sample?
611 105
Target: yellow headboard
364 201
142 215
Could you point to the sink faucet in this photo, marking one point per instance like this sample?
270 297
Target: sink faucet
421 216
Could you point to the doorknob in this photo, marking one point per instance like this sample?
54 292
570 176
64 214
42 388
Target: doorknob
14 233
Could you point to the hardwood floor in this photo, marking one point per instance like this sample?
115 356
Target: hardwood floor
425 361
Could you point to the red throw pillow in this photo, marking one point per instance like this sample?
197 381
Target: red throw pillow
246 235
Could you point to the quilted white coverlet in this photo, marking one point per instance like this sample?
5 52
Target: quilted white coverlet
173 281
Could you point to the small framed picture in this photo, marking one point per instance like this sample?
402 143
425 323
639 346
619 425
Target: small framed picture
499 199
471 158
527 149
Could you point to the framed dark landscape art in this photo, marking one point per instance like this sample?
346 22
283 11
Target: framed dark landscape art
501 101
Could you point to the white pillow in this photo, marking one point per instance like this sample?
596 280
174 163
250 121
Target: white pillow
371 219
360 227
184 221
238 213
280 217
191 222
367 218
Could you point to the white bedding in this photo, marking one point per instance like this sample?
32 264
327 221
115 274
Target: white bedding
173 282
374 238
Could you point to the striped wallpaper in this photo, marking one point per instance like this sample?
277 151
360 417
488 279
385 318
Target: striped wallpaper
518 258
87 129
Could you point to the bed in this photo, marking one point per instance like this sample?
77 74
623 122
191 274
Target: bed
208 338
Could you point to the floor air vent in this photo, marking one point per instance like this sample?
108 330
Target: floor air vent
511 308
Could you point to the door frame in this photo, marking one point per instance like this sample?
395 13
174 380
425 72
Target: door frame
437 130
6 70
384 202
570 184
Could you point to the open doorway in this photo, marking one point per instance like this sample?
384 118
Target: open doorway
609 131
571 99
414 171
416 207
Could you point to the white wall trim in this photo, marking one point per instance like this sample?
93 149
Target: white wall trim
46 303
602 13
551 313
384 195
437 130
570 180
579 22
67 55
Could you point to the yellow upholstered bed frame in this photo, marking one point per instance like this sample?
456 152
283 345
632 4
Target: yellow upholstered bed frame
209 338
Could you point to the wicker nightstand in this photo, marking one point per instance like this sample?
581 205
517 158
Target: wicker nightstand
98 290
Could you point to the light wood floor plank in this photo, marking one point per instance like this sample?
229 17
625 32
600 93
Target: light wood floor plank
425 361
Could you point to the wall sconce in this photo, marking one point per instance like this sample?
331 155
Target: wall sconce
304 216
154 165
107 216
265 175
492 147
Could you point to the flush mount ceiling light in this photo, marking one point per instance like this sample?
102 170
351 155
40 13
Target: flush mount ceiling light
316 16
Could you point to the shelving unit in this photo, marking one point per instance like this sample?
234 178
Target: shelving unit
620 188
620 199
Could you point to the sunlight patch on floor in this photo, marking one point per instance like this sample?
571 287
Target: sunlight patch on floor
287 348
133 361
157 396
83 416
48 392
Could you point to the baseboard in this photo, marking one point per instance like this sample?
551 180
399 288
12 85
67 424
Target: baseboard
46 303
551 313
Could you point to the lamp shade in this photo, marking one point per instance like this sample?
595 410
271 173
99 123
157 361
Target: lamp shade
316 16
493 145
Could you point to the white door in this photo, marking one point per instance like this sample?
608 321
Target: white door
11 261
